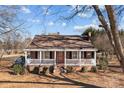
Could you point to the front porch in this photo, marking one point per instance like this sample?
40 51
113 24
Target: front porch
68 57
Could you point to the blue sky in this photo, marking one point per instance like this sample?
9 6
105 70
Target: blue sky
39 20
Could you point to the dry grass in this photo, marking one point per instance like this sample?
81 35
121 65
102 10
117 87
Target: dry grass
89 79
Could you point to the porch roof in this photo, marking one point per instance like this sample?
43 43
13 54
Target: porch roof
59 41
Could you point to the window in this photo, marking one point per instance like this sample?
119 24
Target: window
74 55
33 54
71 54
88 54
49 55
82 54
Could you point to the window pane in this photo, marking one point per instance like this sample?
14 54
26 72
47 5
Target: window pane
88 54
82 54
33 54
92 54
69 55
47 55
51 55
74 54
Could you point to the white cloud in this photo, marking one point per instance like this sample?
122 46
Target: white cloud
82 15
82 28
50 23
87 14
64 24
25 9
34 20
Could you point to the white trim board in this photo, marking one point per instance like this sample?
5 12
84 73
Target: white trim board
85 49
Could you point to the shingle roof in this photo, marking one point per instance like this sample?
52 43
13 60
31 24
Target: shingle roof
59 41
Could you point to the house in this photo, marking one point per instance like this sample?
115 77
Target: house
64 50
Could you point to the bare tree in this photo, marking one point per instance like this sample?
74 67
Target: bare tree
109 24
9 25
112 31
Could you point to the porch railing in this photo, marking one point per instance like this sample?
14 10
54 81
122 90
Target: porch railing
69 62
41 62
87 62
80 62
72 62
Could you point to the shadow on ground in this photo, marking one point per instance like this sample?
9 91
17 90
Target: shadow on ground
67 80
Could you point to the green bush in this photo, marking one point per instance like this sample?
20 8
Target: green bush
18 69
103 63
83 69
94 69
69 69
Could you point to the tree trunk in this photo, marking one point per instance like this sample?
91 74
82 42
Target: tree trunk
112 32
106 27
115 33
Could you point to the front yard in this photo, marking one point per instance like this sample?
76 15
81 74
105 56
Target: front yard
76 80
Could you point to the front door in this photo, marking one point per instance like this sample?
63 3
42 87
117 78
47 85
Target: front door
59 57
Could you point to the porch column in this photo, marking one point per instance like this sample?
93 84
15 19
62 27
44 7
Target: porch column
94 58
79 57
65 58
40 56
26 58
55 58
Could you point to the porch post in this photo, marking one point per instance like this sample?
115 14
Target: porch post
94 58
65 57
40 56
80 57
26 58
55 58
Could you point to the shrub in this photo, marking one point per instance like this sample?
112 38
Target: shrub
51 69
18 69
83 69
44 70
35 70
94 69
69 69
103 63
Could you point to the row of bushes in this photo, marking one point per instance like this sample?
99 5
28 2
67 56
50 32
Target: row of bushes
19 69
70 69
43 70
103 65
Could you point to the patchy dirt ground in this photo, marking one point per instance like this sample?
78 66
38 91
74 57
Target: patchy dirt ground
76 80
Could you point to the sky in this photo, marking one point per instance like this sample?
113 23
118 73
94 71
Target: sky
50 19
